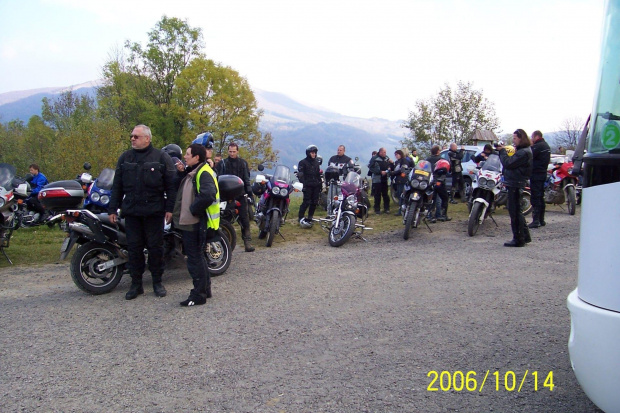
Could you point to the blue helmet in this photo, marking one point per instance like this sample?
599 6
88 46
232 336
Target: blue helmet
205 139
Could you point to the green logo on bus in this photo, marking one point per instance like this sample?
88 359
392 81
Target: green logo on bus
611 135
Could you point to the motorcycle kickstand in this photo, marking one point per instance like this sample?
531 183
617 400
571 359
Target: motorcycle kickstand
426 223
492 219
6 256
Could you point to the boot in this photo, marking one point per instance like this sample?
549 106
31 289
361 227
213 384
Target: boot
444 217
246 240
135 290
452 201
158 287
535 220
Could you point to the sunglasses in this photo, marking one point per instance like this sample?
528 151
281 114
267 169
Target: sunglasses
134 136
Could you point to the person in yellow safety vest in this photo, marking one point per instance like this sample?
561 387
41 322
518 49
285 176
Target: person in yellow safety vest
414 156
197 215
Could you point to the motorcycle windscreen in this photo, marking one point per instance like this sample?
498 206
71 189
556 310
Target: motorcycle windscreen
282 174
105 179
7 173
493 163
353 178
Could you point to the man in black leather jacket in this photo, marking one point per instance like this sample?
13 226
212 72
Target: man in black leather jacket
456 157
144 188
541 155
235 165
309 174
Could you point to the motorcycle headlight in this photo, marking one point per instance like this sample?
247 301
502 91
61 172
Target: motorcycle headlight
105 200
284 192
423 185
490 184
415 184
95 197
351 200
482 182
275 190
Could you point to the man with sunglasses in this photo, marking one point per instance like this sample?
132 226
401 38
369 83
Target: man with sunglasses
144 189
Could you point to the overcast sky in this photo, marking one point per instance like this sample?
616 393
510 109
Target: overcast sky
536 60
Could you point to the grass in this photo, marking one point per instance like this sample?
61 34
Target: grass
34 246
41 245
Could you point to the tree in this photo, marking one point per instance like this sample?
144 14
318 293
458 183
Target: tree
569 132
450 116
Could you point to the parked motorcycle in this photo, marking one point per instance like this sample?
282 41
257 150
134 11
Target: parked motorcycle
348 203
417 196
8 207
502 198
99 191
561 185
485 190
272 209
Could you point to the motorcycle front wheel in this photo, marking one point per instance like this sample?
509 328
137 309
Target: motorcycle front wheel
229 232
409 216
274 225
474 219
84 270
571 199
218 255
339 235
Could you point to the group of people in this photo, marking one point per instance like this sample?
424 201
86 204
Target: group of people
149 187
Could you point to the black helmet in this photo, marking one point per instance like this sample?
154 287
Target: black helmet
173 150
311 148
205 139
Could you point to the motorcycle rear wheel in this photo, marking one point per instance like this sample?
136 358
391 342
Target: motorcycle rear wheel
409 216
526 203
571 200
274 225
218 255
229 231
340 235
474 219
85 274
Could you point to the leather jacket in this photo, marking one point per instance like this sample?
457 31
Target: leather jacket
517 168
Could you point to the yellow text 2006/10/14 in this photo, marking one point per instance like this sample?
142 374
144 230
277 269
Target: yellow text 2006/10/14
491 380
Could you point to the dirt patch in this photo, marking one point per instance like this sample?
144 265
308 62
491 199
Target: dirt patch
303 327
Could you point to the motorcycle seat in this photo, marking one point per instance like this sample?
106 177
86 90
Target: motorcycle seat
105 219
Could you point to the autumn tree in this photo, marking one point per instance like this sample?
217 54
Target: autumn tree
450 116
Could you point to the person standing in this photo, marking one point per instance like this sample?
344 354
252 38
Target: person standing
235 165
309 174
541 156
379 167
517 170
437 202
399 180
414 156
197 215
144 189
456 157
340 159
37 183
484 155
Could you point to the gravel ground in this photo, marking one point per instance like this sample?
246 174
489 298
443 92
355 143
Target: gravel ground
308 328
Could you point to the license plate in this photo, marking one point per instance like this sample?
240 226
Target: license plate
65 244
423 173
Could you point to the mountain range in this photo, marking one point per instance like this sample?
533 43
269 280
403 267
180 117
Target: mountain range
293 125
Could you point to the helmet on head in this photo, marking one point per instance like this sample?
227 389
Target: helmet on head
311 148
205 139
173 150
442 164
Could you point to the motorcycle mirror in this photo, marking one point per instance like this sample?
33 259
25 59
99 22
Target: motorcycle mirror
295 167
260 167
87 166
357 158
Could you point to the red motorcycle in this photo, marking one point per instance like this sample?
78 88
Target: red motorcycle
561 185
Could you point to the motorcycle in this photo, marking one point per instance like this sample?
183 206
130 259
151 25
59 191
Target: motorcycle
99 191
561 186
347 204
101 258
502 198
485 190
8 207
272 209
417 196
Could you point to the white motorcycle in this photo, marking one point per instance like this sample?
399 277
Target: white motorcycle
484 193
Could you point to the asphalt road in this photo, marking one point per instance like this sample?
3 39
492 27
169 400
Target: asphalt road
310 328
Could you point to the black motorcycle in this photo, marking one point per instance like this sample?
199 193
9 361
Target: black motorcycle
417 196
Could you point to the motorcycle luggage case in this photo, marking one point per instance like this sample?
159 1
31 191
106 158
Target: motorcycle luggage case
61 195
231 186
